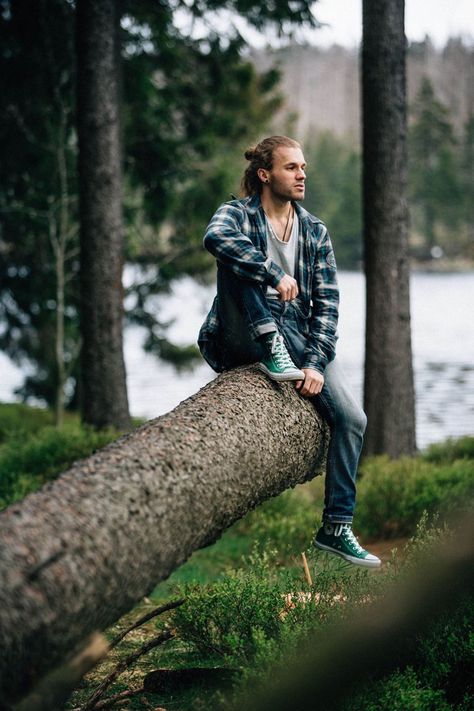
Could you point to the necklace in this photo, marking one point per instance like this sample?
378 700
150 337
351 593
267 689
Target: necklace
283 239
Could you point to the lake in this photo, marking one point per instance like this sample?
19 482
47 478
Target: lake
443 346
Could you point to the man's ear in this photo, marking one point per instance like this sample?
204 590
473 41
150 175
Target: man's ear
263 175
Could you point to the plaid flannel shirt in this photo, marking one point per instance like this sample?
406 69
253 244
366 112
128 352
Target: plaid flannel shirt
236 236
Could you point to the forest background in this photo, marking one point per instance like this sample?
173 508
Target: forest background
183 143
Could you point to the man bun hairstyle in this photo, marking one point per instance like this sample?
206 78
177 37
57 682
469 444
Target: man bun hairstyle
261 156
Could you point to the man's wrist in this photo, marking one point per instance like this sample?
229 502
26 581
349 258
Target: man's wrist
274 273
313 366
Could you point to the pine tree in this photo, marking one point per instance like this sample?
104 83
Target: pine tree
435 189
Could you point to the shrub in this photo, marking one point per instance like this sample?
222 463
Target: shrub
246 616
439 675
392 494
228 617
19 420
401 691
450 450
27 464
286 522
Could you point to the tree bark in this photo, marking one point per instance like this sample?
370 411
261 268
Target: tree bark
104 393
389 399
81 552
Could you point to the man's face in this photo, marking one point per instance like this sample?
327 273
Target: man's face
286 179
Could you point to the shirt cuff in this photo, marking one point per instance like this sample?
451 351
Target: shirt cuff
315 363
274 273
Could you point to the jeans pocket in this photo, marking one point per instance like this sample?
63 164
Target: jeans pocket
301 318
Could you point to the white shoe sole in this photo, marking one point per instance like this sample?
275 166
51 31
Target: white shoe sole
282 377
364 562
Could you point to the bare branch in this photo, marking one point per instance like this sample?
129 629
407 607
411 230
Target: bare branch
149 616
124 664
116 698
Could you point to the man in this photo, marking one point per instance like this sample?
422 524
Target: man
277 304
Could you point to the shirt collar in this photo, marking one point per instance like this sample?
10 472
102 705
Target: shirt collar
253 203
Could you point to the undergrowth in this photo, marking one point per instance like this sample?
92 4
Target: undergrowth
247 621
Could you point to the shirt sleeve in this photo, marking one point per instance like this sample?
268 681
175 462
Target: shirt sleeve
322 337
227 242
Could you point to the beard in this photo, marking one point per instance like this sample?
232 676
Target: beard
285 193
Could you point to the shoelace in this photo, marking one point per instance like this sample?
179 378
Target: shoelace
348 535
280 353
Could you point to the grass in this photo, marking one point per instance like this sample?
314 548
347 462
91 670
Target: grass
34 451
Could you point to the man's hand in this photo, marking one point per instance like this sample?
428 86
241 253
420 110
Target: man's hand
312 383
287 287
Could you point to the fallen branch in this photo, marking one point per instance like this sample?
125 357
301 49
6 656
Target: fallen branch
123 665
116 698
146 618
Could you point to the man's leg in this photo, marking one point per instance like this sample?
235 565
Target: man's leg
347 421
248 329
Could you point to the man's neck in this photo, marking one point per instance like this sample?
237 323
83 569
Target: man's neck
274 208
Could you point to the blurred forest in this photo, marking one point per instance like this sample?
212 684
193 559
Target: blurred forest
190 107
440 185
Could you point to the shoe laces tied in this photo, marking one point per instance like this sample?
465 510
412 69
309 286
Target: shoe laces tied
280 353
348 535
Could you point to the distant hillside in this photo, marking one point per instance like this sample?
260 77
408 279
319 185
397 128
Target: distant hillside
321 86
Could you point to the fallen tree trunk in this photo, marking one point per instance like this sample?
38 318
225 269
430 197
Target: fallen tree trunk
81 552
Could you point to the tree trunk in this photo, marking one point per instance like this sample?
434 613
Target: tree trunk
389 390
104 394
59 249
81 552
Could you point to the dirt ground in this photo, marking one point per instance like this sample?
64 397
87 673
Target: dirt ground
383 549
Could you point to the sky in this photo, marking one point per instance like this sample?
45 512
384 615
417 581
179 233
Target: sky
440 19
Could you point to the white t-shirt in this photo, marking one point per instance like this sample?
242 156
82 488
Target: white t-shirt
282 253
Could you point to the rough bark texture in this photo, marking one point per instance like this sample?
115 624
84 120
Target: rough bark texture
78 554
103 394
389 390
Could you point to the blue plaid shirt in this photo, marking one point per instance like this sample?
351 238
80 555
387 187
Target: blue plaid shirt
236 236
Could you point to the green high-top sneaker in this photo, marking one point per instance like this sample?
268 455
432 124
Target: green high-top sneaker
338 538
277 364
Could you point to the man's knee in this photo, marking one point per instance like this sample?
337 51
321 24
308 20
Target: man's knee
352 418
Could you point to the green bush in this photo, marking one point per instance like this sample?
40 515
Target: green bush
19 420
450 450
439 676
286 522
392 494
229 617
401 691
246 616
26 464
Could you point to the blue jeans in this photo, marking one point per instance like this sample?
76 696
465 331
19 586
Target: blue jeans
245 313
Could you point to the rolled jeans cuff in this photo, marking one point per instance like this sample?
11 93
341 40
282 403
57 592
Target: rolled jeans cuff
260 329
337 519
